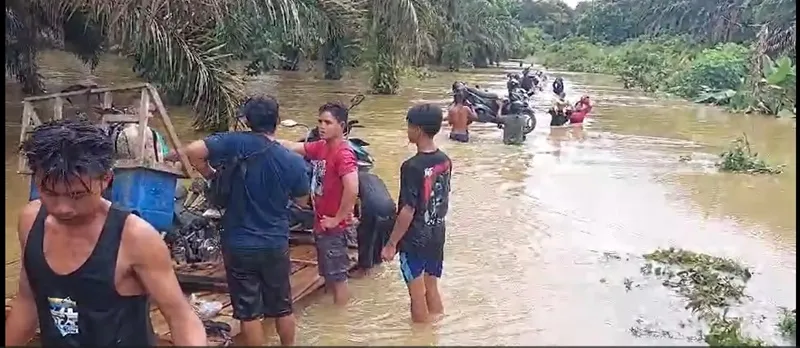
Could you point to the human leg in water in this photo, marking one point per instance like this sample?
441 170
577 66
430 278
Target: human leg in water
259 286
421 276
334 263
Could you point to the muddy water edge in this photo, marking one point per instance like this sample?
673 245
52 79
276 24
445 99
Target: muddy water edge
543 239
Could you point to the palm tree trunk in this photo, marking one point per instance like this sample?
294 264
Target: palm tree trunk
22 42
385 67
334 62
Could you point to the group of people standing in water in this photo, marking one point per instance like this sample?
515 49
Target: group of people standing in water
90 267
562 112
511 112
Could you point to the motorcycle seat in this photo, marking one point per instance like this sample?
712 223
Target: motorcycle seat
483 94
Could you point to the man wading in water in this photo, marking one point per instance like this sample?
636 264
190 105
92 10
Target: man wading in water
335 186
88 266
460 116
255 242
513 124
420 225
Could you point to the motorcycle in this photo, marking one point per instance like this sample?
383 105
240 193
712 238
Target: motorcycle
196 232
486 104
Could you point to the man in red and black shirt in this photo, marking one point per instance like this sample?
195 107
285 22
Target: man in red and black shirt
335 187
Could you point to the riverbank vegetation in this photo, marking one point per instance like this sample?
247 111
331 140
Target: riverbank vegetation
737 53
788 325
711 286
740 53
187 48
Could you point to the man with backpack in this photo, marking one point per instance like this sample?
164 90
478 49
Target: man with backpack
254 180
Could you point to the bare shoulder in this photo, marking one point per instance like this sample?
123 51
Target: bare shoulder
141 238
26 218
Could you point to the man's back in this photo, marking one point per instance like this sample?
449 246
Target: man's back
458 117
258 213
513 129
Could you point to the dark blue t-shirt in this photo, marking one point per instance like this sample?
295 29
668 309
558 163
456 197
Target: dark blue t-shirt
257 216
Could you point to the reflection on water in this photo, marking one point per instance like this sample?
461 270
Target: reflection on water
529 226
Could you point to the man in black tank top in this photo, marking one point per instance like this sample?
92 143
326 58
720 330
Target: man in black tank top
89 267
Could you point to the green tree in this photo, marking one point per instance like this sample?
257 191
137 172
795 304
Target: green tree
555 17
186 47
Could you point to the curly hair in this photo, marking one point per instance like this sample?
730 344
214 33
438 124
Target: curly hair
63 149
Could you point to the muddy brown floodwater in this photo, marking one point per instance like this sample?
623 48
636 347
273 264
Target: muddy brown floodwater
531 228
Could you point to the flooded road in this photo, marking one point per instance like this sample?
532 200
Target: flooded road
542 237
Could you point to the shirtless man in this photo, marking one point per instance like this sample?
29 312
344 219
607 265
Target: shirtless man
459 117
88 266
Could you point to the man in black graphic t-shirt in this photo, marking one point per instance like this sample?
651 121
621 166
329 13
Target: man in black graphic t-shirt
419 229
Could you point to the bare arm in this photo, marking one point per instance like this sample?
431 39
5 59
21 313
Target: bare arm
402 222
22 321
153 267
411 180
472 116
349 195
295 146
197 152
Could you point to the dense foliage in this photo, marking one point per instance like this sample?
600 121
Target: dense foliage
735 52
186 47
739 53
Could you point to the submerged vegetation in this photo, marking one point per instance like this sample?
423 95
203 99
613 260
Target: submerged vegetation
711 286
741 159
788 324
739 53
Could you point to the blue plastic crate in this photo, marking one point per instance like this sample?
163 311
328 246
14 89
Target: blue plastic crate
34 192
149 193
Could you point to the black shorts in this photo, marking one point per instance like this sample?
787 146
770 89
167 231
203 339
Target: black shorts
258 281
460 137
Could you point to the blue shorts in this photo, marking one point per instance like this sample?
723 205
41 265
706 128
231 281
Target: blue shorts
412 266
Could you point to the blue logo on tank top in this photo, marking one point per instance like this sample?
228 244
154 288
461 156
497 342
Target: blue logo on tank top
65 315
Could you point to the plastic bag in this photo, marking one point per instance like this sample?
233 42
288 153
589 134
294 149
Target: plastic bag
206 310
